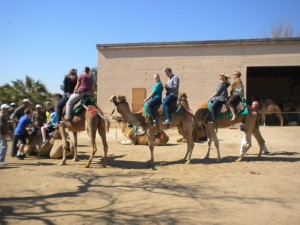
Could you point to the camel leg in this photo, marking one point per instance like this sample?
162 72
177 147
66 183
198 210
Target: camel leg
92 135
188 136
279 115
209 141
149 135
102 133
63 134
190 147
263 118
216 141
212 137
75 158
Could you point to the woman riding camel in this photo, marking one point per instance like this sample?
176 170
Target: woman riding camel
84 87
220 96
237 92
154 98
70 82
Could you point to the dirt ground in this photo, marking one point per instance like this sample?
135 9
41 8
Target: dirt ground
266 191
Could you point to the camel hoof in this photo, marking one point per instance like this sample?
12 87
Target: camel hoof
87 166
218 160
75 159
150 163
188 162
62 163
239 159
205 157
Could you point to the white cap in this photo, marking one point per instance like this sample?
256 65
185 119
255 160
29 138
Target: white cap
38 106
4 106
12 104
27 100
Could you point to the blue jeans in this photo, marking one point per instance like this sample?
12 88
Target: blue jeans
3 147
151 105
214 107
59 107
167 104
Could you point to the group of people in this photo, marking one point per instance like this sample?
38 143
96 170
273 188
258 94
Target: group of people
219 97
75 87
155 98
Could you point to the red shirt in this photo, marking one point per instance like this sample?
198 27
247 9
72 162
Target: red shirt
86 83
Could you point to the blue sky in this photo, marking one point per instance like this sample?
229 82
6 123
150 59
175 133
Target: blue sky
45 39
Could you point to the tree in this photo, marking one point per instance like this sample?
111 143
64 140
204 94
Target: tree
36 91
94 74
282 30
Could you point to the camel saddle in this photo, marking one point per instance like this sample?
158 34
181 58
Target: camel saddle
78 107
159 110
223 111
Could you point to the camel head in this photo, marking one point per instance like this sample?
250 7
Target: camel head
182 96
117 99
183 101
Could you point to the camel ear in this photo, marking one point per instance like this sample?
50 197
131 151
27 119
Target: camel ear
182 96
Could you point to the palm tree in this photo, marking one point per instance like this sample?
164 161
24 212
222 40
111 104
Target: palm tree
36 91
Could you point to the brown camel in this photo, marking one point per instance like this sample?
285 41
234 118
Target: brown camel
92 119
251 127
268 107
184 121
160 138
53 148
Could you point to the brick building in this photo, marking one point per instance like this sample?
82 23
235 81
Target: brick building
270 68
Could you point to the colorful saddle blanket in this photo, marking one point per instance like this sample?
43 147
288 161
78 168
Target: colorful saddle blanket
147 113
84 101
227 114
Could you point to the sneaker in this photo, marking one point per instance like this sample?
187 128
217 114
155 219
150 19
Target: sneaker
44 143
21 157
3 163
167 121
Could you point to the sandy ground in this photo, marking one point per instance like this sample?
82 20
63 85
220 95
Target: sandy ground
266 191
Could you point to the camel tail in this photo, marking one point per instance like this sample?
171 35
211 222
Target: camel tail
102 117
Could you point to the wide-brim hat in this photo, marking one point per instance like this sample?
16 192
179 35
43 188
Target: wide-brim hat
225 75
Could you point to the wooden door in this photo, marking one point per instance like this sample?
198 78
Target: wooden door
138 97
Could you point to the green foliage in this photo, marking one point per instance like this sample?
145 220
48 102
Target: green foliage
36 91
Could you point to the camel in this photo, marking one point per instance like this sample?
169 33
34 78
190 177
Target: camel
251 128
268 107
53 148
184 121
199 132
290 108
160 138
90 118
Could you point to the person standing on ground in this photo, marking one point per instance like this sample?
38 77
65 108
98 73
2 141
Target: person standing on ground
38 117
172 88
18 113
3 132
21 133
